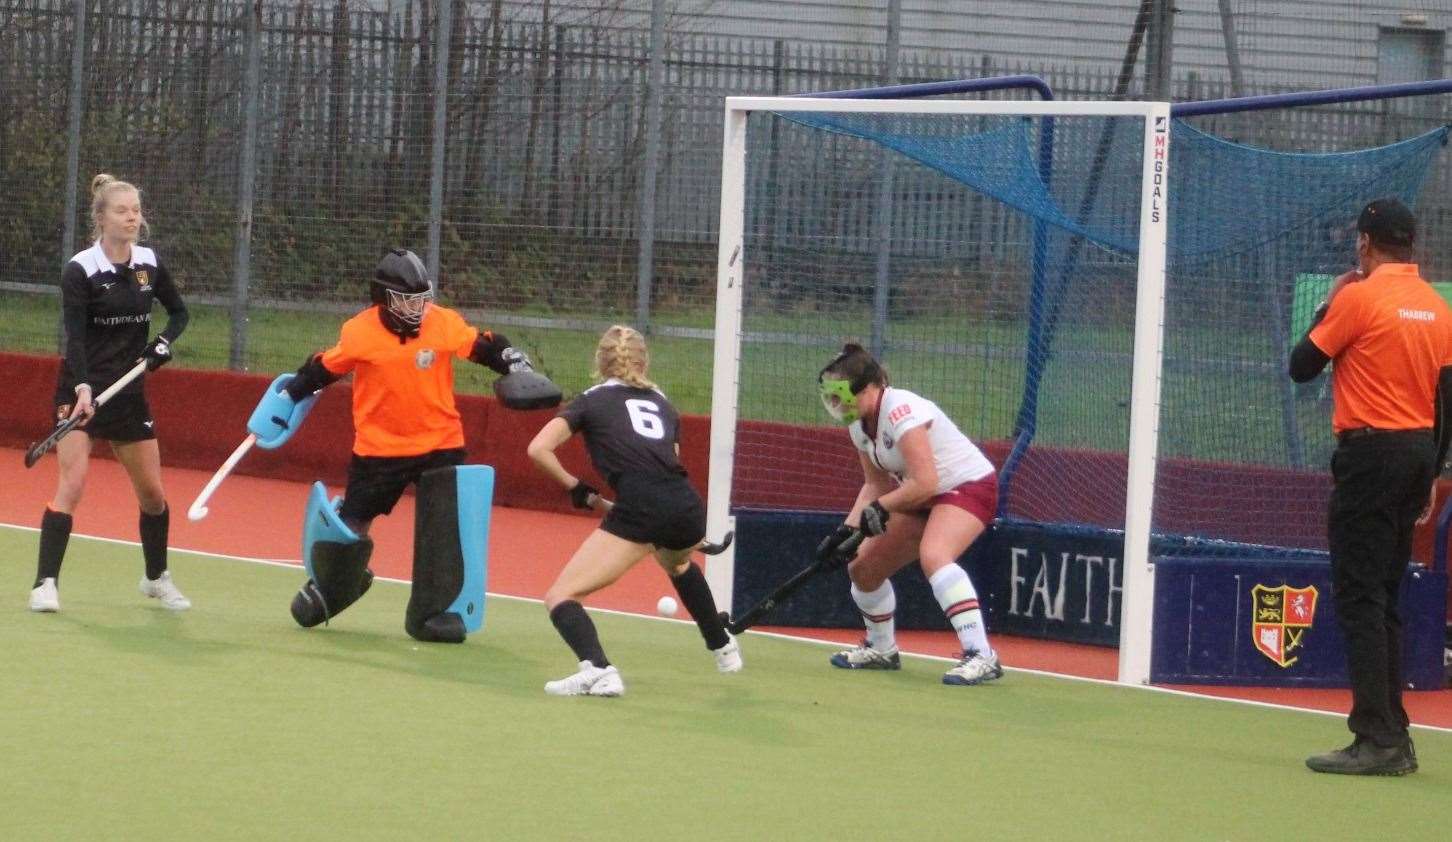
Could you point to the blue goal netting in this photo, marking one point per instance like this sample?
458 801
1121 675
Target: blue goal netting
1008 250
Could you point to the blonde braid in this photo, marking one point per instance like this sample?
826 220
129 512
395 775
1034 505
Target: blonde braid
622 354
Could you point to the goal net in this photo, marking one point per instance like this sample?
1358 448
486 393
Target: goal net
1104 310
937 232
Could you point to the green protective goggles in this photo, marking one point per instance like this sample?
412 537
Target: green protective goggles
837 397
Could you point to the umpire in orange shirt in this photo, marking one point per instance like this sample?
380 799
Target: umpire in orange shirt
1390 335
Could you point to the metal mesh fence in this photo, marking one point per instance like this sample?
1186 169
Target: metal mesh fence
546 151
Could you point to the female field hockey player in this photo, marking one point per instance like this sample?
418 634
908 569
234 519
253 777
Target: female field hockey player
928 493
632 434
107 294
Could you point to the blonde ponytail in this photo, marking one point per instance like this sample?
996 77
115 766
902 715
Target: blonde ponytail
622 355
103 187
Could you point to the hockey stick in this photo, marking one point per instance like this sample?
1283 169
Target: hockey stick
198 508
792 585
717 547
706 547
41 448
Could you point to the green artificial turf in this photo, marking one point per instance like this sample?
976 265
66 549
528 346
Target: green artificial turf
124 721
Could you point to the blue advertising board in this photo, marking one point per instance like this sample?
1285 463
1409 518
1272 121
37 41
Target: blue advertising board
1257 621
1224 613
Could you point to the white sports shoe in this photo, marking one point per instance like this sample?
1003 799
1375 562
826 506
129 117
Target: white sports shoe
974 669
728 657
165 590
864 657
589 681
45 597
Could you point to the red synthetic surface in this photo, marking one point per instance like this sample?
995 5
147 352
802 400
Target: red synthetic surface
201 415
260 518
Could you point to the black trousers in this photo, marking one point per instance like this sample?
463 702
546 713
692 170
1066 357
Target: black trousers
1382 484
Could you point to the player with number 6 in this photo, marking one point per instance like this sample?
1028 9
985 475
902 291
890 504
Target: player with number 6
928 493
632 434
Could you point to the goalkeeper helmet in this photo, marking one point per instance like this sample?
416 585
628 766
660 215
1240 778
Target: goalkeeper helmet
402 289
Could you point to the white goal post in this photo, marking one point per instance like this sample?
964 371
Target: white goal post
1138 584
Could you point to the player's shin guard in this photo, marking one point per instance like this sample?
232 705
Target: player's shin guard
877 609
154 530
55 533
336 560
578 630
450 553
696 596
955 593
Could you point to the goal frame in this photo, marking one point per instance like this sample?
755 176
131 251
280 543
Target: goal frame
1137 620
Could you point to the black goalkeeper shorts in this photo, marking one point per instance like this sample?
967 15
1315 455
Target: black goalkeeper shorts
376 482
663 510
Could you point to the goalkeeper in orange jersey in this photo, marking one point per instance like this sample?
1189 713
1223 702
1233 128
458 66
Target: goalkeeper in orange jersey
400 352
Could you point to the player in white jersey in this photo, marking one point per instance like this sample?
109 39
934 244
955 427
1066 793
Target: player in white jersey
928 493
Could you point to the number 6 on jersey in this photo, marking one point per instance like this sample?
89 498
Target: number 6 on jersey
645 418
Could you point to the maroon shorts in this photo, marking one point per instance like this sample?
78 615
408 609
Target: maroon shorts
978 498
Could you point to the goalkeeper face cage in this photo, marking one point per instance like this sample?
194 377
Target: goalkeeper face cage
409 307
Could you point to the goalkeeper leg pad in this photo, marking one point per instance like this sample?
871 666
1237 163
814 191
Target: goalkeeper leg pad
340 577
450 553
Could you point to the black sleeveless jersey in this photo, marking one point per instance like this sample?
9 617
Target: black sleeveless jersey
628 430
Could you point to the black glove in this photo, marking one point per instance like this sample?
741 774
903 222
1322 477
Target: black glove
581 493
842 556
494 351
157 354
874 519
828 547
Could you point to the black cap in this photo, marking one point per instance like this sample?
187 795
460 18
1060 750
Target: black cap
1388 222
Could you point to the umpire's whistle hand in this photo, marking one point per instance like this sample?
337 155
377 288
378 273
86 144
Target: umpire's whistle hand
1348 277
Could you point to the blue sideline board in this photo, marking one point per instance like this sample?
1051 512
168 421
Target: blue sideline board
1273 623
1063 582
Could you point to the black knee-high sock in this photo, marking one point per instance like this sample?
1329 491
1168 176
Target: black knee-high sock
55 533
695 594
154 529
578 630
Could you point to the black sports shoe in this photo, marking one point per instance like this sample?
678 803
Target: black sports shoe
1364 757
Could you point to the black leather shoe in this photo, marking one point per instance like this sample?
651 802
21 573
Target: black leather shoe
1365 757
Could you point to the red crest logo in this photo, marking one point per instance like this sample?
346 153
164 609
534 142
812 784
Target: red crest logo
1280 618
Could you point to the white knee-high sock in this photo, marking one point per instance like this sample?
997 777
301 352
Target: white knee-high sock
959 600
877 608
